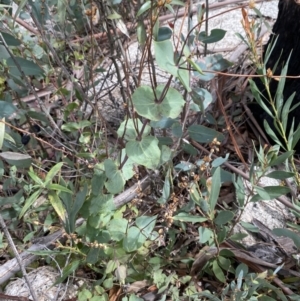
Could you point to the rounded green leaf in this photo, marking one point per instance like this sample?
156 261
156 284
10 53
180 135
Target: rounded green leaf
128 129
6 109
117 228
133 240
164 55
145 152
215 36
224 217
202 98
155 109
146 224
116 182
164 33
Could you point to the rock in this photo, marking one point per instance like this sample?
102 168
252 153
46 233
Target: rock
42 280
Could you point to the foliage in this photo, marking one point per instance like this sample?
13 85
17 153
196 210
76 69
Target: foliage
72 168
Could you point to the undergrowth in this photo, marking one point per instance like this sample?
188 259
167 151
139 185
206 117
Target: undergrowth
124 155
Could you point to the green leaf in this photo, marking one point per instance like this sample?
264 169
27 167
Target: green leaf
281 159
164 33
72 211
210 63
202 98
166 189
133 239
257 95
166 154
7 109
238 236
61 11
135 298
280 175
9 39
296 137
35 178
53 172
33 197
218 272
224 263
204 134
40 11
163 123
98 221
267 298
131 127
141 33
28 67
59 188
288 233
57 205
16 159
241 269
262 193
93 255
271 133
146 224
184 75
219 161
208 295
216 35
20 6
223 217
69 269
197 69
117 228
2 132
75 126
148 106
164 55
102 203
111 266
269 193
114 16
249 227
98 179
215 189
177 2
280 87
188 148
189 218
285 111
17 198
111 168
121 273
205 235
38 116
145 152
146 6
128 170
4 54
